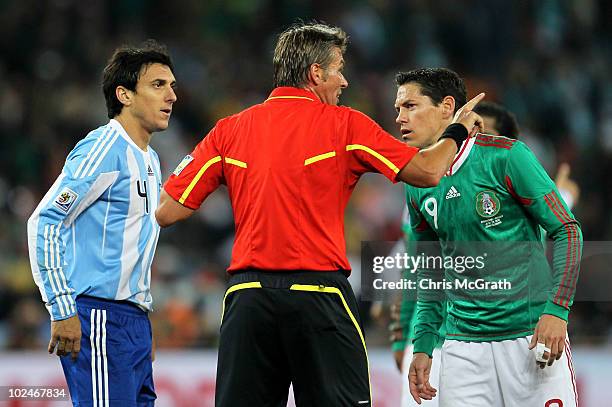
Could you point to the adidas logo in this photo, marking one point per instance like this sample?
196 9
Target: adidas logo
149 171
452 193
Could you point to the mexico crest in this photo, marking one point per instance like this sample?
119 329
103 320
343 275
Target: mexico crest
487 204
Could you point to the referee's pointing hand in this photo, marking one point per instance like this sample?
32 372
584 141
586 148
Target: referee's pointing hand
471 120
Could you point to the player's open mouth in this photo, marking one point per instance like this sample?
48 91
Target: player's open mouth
167 111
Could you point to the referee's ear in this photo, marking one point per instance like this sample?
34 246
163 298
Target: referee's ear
316 74
123 95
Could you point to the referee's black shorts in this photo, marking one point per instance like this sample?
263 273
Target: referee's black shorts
300 327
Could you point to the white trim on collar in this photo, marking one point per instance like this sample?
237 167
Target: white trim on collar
117 126
462 155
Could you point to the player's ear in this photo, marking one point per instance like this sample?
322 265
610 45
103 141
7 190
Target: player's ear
124 95
448 107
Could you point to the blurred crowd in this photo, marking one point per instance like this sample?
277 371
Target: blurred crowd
546 60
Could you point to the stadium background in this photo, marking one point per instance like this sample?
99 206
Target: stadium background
548 61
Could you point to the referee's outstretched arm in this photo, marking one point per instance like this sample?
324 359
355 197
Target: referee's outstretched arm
425 169
170 211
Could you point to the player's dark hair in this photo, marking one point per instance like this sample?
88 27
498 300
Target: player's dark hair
124 69
437 83
302 45
505 121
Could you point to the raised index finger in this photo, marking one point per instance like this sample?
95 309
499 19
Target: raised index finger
473 102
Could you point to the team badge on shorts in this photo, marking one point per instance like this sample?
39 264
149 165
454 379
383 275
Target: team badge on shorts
487 204
177 171
65 200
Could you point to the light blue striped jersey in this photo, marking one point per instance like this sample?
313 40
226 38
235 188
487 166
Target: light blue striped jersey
95 231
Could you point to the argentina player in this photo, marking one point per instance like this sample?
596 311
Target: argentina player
92 237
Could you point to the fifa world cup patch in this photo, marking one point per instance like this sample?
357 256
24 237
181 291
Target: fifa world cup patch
182 165
65 199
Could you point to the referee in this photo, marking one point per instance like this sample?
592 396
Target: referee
290 165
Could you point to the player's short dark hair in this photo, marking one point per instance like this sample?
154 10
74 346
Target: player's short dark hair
124 68
437 83
505 121
302 45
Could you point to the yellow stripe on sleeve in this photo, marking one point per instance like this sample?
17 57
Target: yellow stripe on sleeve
241 164
319 157
195 180
385 160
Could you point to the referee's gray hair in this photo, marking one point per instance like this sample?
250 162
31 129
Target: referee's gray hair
302 45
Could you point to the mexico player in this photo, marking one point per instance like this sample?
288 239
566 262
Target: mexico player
496 190
497 121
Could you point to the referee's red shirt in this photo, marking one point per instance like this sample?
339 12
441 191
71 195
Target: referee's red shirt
290 165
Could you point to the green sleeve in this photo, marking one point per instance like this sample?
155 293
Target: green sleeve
529 183
405 316
398 345
429 316
407 304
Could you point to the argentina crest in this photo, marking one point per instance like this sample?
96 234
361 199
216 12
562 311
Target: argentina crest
487 204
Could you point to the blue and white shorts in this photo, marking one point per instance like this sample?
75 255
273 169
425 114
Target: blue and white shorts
114 365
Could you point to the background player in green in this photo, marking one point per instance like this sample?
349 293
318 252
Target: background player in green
497 121
495 191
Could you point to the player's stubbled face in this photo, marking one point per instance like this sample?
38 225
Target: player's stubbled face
329 91
154 97
420 120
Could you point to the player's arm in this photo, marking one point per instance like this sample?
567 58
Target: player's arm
429 307
397 332
402 312
84 178
196 177
532 187
401 318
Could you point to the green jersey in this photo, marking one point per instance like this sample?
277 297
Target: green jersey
496 194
